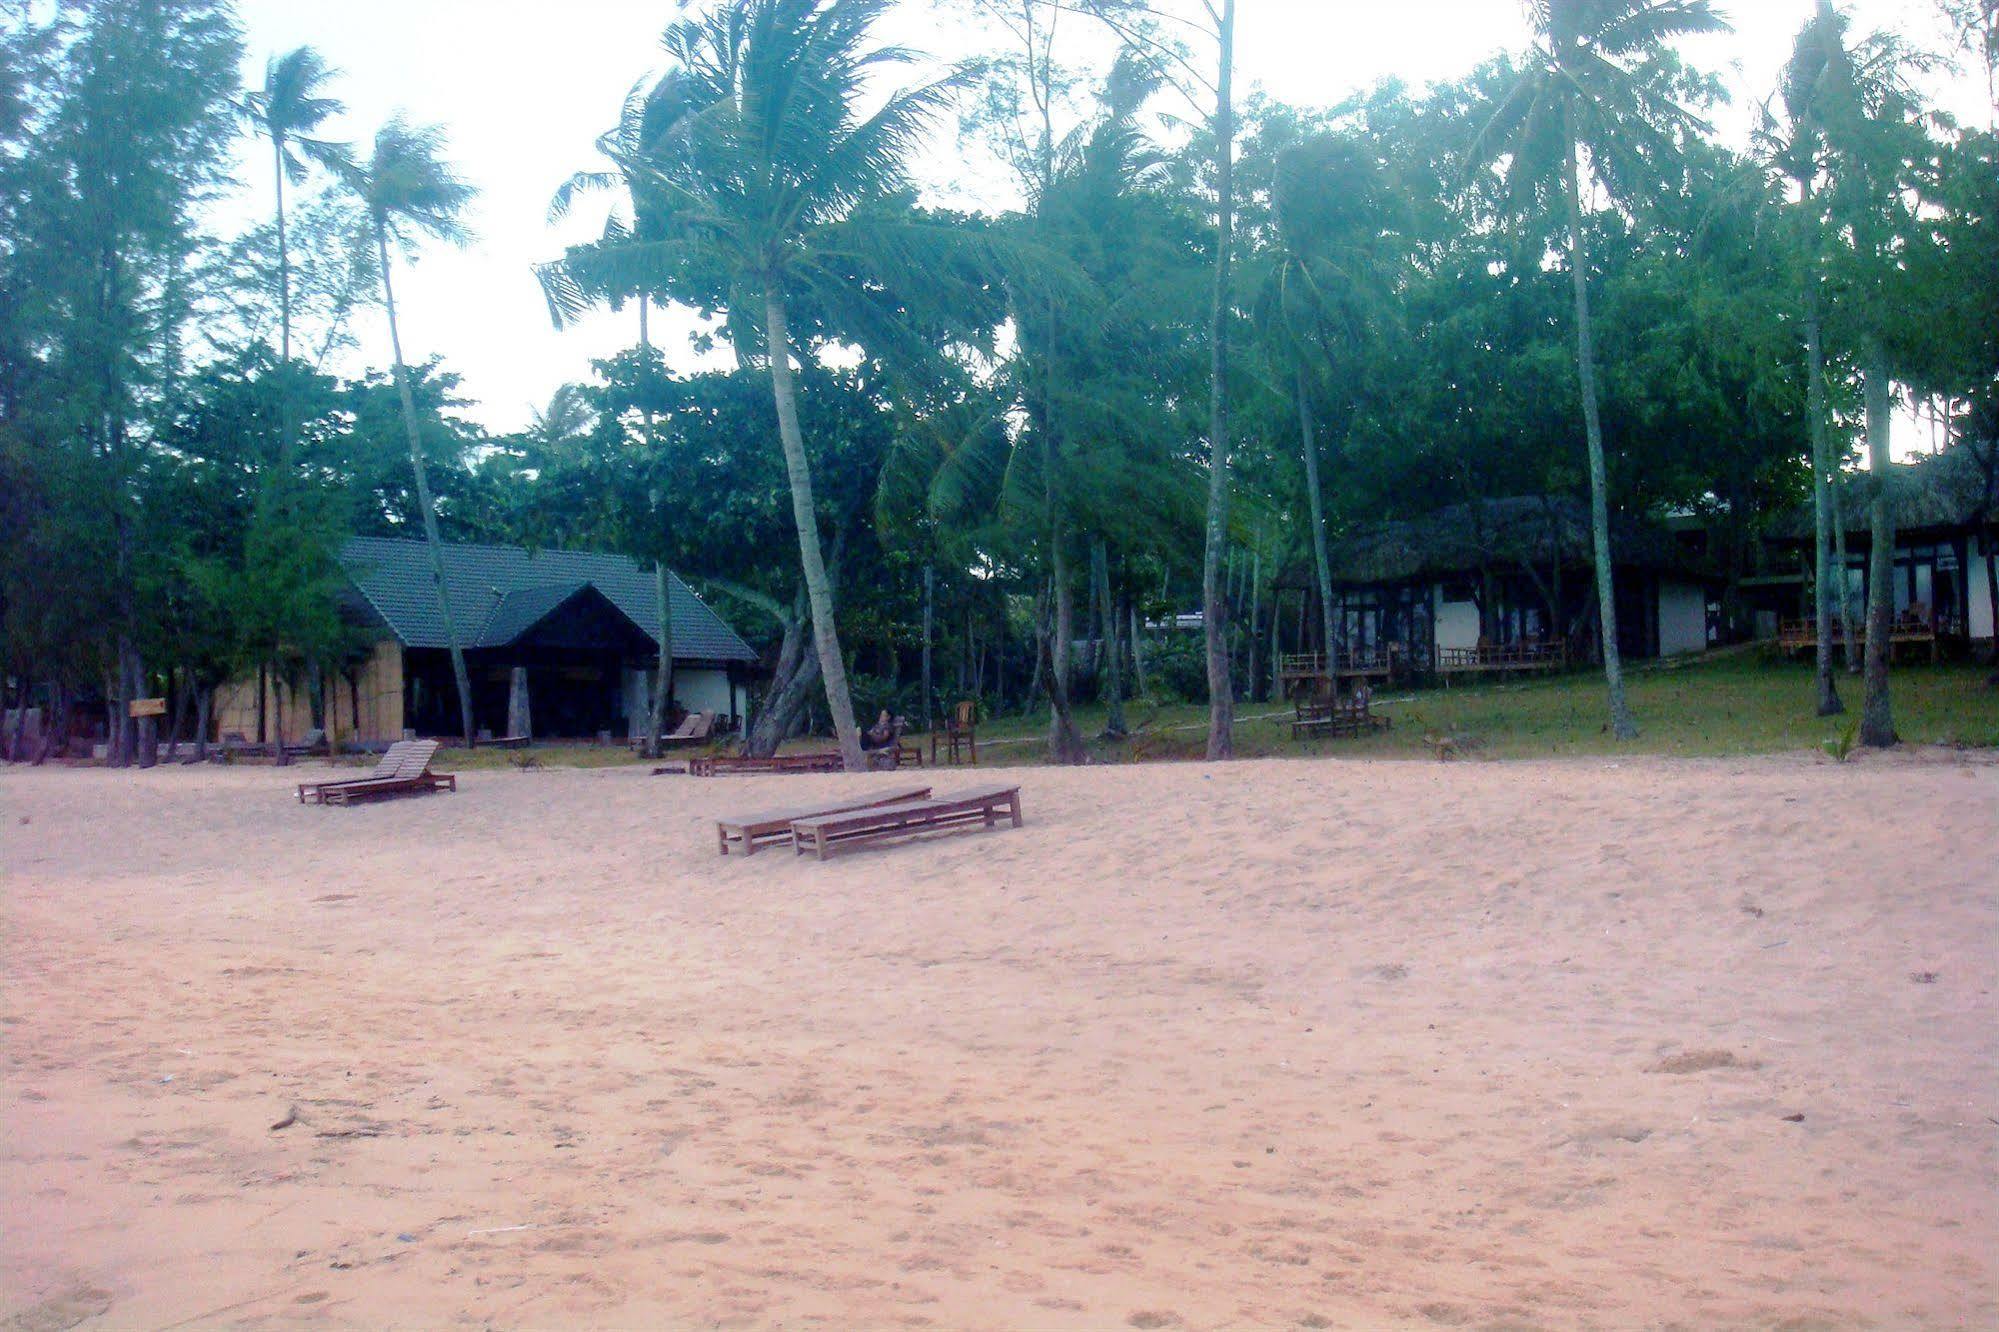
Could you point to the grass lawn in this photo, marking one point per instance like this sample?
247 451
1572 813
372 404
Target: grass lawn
1738 703
1733 704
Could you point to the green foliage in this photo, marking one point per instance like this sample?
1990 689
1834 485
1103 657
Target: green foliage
1840 747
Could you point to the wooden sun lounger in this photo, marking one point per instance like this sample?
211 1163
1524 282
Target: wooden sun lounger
387 767
750 831
825 833
717 765
694 729
404 769
422 783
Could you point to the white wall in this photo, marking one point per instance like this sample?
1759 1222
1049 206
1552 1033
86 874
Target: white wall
1682 618
695 690
1979 599
702 691
1457 622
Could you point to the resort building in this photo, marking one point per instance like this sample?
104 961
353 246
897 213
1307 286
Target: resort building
557 644
1501 585
1943 557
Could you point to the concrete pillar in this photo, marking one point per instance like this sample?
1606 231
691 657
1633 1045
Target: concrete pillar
519 721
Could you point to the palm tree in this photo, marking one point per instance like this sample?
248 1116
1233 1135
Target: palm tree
410 191
287 110
638 209
1796 150
778 194
1325 292
1590 81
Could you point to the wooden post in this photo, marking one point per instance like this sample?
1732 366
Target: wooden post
147 712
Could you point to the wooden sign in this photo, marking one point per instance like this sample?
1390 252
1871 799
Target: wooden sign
148 707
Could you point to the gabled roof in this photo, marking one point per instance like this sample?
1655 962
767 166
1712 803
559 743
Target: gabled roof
498 593
518 611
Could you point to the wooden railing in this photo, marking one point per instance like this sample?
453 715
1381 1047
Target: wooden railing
1914 625
1383 659
1532 655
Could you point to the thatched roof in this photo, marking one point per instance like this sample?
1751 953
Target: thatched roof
1497 534
1937 490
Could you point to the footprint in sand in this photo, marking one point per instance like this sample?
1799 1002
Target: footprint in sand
1700 1061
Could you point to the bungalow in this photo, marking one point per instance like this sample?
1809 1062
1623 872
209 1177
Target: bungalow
579 631
1943 563
1503 584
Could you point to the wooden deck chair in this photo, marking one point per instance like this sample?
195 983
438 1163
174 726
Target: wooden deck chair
960 728
696 728
747 832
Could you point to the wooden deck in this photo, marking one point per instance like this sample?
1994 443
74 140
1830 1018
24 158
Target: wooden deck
1907 629
1498 658
1379 662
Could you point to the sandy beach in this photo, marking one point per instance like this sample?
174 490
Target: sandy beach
1323 1044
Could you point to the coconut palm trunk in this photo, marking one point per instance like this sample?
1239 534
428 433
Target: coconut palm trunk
284 258
1822 502
1877 719
1621 724
1107 643
818 589
1214 602
1842 577
1315 498
662 676
426 507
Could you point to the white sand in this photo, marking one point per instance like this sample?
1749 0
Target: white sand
1319 1043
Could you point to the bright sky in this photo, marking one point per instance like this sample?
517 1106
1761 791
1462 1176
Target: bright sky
523 88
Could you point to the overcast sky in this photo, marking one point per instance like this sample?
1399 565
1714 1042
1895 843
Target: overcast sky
523 87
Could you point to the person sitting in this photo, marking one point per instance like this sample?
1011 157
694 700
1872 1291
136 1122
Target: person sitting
882 734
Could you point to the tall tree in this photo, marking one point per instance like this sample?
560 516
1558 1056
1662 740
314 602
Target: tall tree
782 184
1594 82
128 144
1152 31
288 110
410 192
1879 156
1326 292
1796 148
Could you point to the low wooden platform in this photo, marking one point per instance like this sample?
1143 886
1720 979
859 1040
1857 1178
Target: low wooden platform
1907 630
825 834
721 765
750 831
1500 658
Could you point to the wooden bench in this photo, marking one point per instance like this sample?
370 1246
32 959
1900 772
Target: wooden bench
1341 717
750 831
826 833
717 765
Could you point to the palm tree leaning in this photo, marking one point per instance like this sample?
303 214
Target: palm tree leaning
773 188
1590 82
409 191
